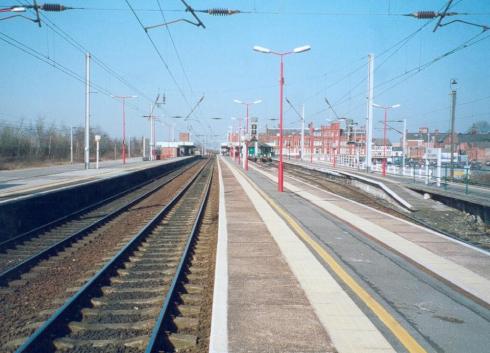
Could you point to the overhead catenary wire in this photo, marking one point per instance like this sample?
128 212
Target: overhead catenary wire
416 70
394 47
81 48
400 78
177 54
51 62
164 62
258 12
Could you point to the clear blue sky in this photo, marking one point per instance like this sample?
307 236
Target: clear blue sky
220 64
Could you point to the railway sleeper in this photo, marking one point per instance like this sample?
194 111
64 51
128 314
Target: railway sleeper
131 280
67 343
122 289
99 302
144 273
90 312
81 327
157 268
181 342
188 310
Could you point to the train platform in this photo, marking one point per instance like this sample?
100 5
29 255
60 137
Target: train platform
476 194
16 184
310 271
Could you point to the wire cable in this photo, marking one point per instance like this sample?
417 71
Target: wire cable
175 48
51 62
81 48
159 54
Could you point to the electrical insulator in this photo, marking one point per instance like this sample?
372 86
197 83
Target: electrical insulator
425 14
52 7
222 12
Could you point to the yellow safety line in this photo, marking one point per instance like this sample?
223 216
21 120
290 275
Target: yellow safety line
388 320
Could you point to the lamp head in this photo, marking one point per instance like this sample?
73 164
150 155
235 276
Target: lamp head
302 49
261 49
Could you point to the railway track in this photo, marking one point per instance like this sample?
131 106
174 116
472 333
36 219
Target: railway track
127 305
433 220
19 254
344 190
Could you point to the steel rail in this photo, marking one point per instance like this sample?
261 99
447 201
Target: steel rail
20 268
86 292
154 343
406 216
5 245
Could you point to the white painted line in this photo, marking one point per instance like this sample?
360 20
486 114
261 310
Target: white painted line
218 340
455 274
349 328
380 184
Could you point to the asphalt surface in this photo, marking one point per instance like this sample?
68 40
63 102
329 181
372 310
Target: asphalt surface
438 317
29 173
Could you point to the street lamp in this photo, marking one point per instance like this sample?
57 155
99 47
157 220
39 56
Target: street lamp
97 140
385 108
235 155
123 99
280 175
245 142
404 138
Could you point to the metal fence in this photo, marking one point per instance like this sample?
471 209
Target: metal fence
462 179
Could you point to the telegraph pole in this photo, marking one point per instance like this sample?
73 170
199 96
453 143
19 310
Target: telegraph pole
87 111
303 132
453 119
369 125
71 144
404 147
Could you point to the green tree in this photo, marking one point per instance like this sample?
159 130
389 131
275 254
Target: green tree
480 127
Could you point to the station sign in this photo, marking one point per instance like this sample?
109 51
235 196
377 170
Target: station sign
432 153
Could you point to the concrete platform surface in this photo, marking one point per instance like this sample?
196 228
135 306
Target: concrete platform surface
461 265
274 295
478 194
267 309
375 283
24 182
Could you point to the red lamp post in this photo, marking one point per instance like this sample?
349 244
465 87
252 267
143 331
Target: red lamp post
280 175
123 99
312 142
247 104
385 108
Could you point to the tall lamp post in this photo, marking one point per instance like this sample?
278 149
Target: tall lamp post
233 126
403 133
453 120
246 104
280 174
123 99
385 108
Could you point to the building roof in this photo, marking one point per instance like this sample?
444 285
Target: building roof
381 142
175 144
474 137
286 131
416 136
